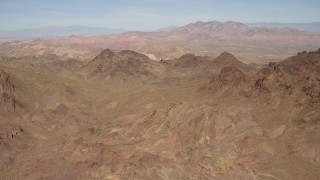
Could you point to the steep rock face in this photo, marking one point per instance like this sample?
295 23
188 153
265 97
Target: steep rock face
119 64
7 89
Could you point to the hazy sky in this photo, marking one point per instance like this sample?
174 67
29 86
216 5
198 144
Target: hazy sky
150 14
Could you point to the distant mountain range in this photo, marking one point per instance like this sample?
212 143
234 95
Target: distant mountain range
250 44
232 28
56 31
308 27
63 31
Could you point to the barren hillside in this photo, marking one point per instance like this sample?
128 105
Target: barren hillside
122 115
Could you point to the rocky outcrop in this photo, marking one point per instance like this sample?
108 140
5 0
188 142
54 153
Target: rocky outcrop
7 90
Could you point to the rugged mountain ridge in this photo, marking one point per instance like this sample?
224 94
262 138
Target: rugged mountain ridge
130 64
296 74
252 123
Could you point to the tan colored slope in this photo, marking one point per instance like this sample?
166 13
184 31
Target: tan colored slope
37 48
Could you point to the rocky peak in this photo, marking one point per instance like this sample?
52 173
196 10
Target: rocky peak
188 58
226 55
122 64
105 54
226 58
